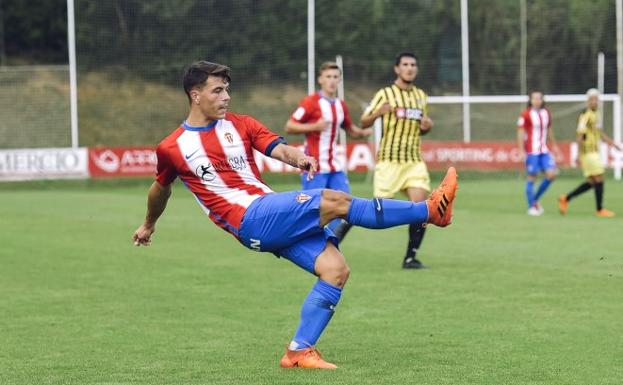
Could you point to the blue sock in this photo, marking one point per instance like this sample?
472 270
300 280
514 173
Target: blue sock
383 213
316 313
530 192
542 188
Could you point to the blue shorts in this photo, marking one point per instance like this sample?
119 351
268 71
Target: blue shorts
536 163
288 225
332 180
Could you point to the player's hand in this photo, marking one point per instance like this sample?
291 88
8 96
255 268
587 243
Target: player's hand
308 164
522 155
366 132
142 235
384 109
320 125
426 124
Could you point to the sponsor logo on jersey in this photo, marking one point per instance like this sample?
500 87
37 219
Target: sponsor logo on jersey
205 172
409 113
302 197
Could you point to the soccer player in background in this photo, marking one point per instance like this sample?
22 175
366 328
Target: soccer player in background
400 167
588 137
212 153
319 117
534 131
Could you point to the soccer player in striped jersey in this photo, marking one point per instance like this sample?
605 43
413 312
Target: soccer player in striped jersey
589 135
212 154
319 117
400 167
534 131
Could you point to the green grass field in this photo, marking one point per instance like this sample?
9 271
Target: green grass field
508 299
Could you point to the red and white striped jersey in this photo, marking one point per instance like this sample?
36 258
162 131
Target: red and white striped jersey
535 123
216 164
322 145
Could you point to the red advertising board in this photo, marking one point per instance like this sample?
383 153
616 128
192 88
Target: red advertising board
359 157
122 161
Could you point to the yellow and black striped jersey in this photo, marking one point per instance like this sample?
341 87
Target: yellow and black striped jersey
590 129
401 126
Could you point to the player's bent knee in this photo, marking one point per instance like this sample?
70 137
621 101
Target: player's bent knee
335 203
334 196
331 266
337 276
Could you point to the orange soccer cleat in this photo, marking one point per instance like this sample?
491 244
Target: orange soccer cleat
563 204
441 199
308 358
603 213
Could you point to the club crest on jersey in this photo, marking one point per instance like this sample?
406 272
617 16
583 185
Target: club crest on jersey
229 137
302 197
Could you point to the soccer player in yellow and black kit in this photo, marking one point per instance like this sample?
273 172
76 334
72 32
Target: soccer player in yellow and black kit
589 135
400 167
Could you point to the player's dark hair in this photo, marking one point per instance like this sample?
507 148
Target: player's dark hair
405 54
534 91
197 74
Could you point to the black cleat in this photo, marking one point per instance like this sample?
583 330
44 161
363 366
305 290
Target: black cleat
412 263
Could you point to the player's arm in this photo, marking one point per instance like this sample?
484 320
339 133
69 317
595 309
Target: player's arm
358 132
157 199
520 137
351 129
294 127
368 118
299 121
295 158
551 138
426 124
579 139
377 108
609 140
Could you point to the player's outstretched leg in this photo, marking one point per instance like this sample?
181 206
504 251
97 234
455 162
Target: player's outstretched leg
383 213
563 200
317 310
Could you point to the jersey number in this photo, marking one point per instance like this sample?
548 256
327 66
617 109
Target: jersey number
255 244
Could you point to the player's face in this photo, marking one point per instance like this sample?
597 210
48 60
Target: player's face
593 102
407 69
536 100
213 98
329 80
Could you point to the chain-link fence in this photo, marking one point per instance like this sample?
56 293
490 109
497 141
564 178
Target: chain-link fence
131 55
34 107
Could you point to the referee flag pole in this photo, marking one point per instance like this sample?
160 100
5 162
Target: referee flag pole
73 80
